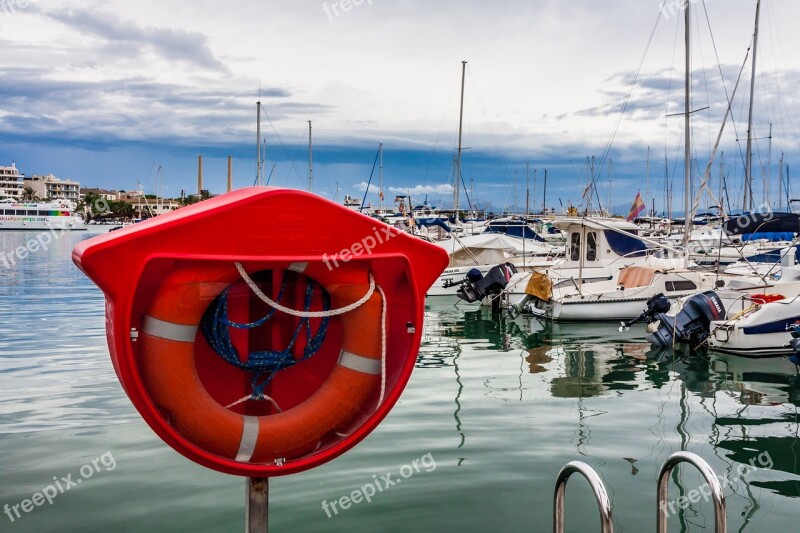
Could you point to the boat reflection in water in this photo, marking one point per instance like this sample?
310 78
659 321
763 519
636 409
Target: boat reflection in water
530 396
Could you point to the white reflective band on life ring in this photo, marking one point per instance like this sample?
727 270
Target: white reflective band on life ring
361 364
169 330
249 439
298 267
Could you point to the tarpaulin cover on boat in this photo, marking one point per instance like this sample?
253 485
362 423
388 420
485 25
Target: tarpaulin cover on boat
425 222
762 223
513 229
636 276
625 245
540 286
772 236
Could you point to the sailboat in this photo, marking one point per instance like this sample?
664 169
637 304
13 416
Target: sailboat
483 251
624 295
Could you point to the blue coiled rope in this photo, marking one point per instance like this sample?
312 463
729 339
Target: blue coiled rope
264 365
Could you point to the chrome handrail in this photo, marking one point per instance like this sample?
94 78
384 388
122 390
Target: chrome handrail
720 518
606 526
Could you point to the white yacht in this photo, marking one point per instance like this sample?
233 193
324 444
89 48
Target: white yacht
56 214
596 251
484 251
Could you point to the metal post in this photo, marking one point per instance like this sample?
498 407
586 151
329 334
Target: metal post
606 525
720 518
230 173
257 505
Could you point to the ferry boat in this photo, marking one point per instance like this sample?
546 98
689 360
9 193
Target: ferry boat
56 214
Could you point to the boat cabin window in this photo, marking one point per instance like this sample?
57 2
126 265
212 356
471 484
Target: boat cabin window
575 246
591 246
681 285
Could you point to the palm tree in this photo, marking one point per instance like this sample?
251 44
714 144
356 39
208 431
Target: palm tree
122 209
29 195
89 206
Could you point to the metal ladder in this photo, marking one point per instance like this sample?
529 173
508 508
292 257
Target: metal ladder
604 503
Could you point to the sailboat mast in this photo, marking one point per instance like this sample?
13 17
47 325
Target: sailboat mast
647 180
722 183
748 173
610 178
544 194
768 183
780 183
258 142
460 129
310 162
687 169
380 174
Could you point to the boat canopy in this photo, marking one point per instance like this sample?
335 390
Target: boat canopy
487 249
565 224
425 222
516 228
772 236
769 222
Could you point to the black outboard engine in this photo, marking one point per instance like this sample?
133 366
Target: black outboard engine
473 276
795 345
692 324
656 305
491 284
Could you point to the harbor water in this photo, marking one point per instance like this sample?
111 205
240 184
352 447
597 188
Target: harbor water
492 412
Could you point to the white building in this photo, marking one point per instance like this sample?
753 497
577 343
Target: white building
148 208
11 185
105 194
51 187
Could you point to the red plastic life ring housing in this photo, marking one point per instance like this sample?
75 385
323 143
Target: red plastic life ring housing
160 275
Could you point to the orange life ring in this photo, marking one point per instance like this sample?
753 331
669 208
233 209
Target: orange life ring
168 334
63 205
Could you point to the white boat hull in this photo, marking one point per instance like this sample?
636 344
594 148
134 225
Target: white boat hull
760 332
42 223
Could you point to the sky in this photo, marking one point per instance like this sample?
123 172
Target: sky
121 94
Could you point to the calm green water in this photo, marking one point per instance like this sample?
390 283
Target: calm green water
494 409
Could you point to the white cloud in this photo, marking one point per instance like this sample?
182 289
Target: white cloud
374 189
423 189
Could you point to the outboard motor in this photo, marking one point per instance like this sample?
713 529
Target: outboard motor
658 304
795 345
473 276
473 289
692 324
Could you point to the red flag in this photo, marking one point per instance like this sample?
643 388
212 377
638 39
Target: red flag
636 208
